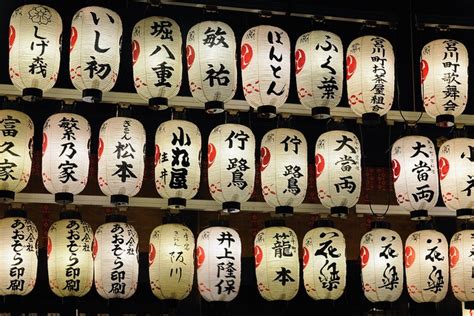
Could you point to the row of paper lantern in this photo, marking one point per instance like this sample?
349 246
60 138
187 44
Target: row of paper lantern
96 34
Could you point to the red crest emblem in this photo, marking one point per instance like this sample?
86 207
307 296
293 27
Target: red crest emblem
319 162
151 255
135 51
11 37
424 70
264 158
246 55
443 168
364 256
395 169
351 65
409 256
257 251
200 256
453 256
190 55
211 154
300 59
73 39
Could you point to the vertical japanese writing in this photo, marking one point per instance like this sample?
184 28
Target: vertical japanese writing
73 270
8 127
225 262
177 254
328 84
180 163
125 151
274 38
163 70
390 278
435 281
347 158
284 246
450 75
329 273
423 170
379 72
69 127
117 275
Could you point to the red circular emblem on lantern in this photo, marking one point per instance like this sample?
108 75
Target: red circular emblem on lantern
135 51
300 59
364 256
151 255
257 251
351 65
246 54
11 37
395 169
157 154
101 147
200 256
211 154
453 256
45 144
443 168
95 248
190 55
49 247
73 38
409 256
424 70
264 158
319 162
305 257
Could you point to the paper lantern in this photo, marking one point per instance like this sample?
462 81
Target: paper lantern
370 75
284 169
156 59
116 258
265 64
319 60
444 79
324 262
461 265
338 171
16 143
94 51
18 253
70 262
65 162
381 259
466 311
171 261
177 161
456 165
415 175
218 252
231 165
277 262
121 158
34 49
426 266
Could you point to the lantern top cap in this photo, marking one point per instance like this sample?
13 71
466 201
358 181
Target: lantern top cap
274 223
219 223
172 219
423 225
380 224
15 212
70 214
323 223
117 218
467 225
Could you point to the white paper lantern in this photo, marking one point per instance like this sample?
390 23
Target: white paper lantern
284 169
34 49
18 254
319 61
218 251
381 257
456 165
116 258
65 162
338 171
122 143
70 262
171 260
462 264
231 165
177 161
277 262
156 59
324 262
415 175
16 143
444 79
466 311
370 75
265 64
426 266
94 51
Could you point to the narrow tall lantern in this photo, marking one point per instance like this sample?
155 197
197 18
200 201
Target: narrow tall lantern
34 49
324 261
415 175
171 259
444 80
319 62
121 158
456 175
177 161
94 51
277 262
18 253
156 59
65 163
265 64
70 262
218 252
231 165
338 171
284 169
116 258
381 259
370 75
16 139
461 265
212 65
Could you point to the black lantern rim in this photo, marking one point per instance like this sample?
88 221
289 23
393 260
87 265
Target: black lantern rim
445 120
92 95
214 107
266 111
158 103
321 113
231 207
119 199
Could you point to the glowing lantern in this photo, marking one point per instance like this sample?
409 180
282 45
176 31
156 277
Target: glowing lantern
212 66
156 59
96 36
34 49
338 171
319 60
265 64
231 165
461 265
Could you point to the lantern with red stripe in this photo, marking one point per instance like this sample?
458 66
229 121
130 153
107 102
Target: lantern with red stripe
231 165
34 49
94 51
461 265
156 59
319 60
265 64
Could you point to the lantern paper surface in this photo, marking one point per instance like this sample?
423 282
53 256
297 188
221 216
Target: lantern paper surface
426 266
18 256
381 257
324 263
171 261
466 312
276 263
218 254
70 262
231 163
156 59
461 265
